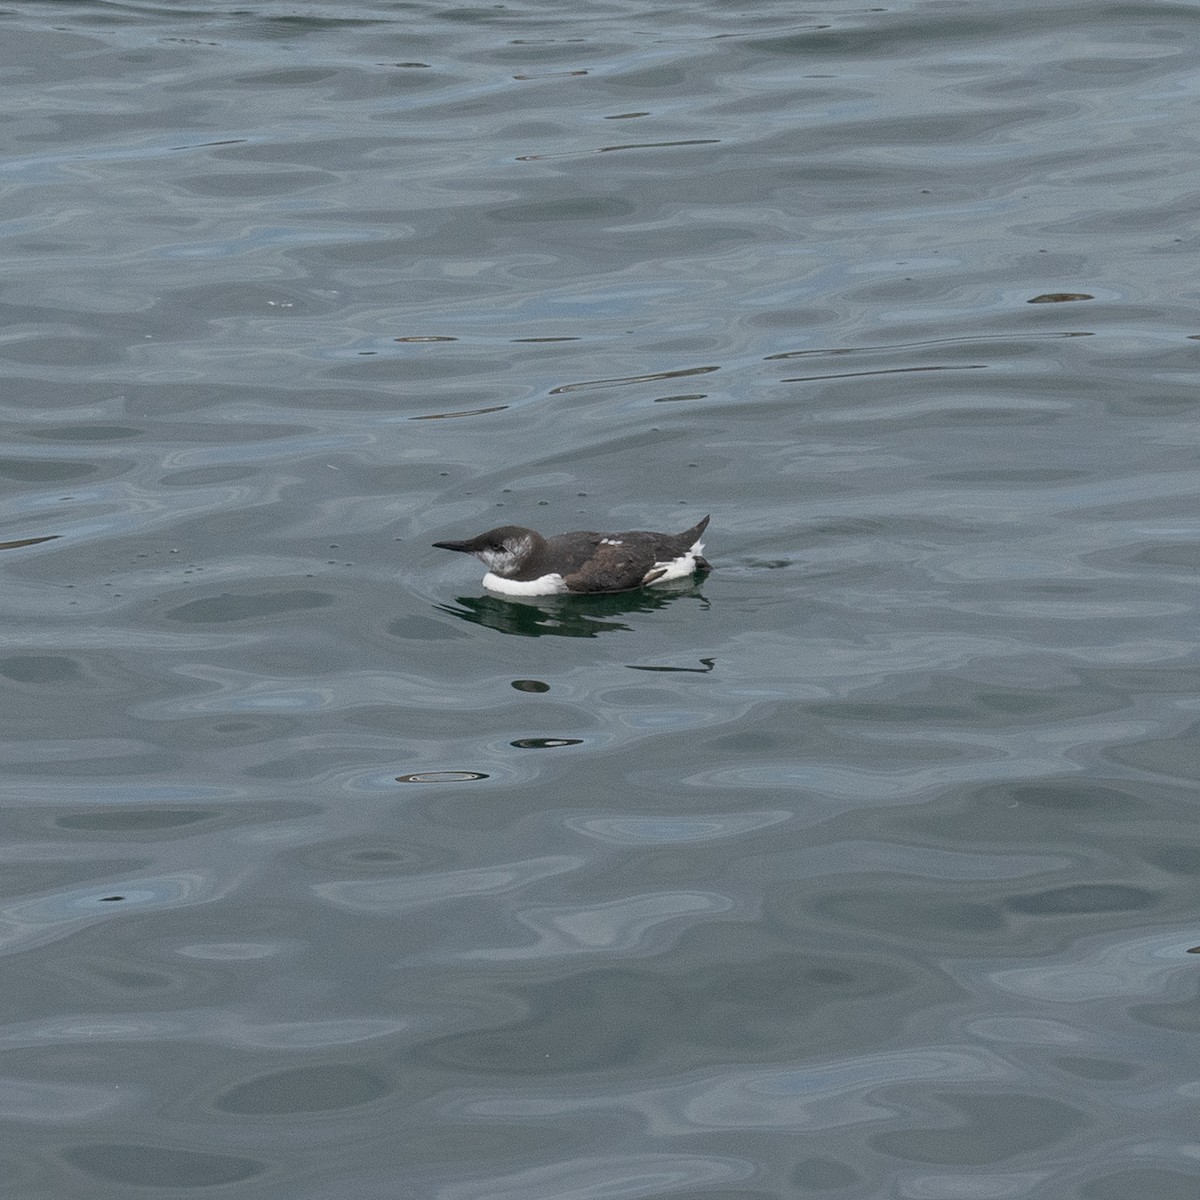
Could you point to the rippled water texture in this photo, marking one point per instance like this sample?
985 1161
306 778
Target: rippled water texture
866 867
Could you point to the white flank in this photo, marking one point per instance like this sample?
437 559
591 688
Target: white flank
677 568
545 585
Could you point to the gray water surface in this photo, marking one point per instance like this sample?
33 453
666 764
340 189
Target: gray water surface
865 867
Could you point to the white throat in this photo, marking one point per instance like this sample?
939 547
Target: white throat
508 561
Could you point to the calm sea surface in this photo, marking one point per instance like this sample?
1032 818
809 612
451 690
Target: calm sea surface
866 868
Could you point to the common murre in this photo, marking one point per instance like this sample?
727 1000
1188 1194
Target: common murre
521 562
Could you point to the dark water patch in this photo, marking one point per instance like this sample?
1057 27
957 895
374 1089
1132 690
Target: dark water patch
109 758
304 1090
709 1193
1177 1016
567 210
120 979
873 33
212 733
1182 555
1018 476
85 433
39 470
774 564
1083 899
41 669
1058 813
1178 859
285 77
984 1129
1063 796
424 629
247 606
374 369
750 743
819 1174
601 1020
154 821
139 820
905 914
874 715
56 875
59 349
1153 1183
1102 1070
377 856
1170 756
883 525
137 1165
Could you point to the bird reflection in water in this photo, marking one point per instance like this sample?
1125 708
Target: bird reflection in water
582 616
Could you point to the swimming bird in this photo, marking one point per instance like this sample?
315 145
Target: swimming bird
521 562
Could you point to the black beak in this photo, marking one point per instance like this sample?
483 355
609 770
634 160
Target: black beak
463 546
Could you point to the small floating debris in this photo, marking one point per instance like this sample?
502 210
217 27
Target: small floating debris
1059 297
441 777
550 75
466 412
708 665
622 381
545 743
35 541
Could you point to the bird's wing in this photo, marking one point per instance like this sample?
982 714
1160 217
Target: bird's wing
615 566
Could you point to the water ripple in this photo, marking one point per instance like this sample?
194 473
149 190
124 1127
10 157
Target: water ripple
392 896
834 1095
25 924
668 830
1137 967
631 925
598 1178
